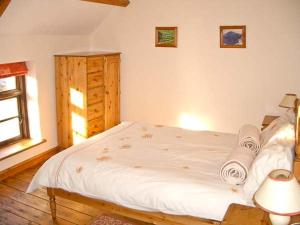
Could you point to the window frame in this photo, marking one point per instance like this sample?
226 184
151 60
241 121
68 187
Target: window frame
20 94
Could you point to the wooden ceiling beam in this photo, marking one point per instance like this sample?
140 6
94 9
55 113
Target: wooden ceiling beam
3 6
122 3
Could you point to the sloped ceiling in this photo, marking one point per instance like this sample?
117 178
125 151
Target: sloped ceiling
52 17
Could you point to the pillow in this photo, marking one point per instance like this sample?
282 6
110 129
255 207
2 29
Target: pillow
277 152
289 116
279 130
276 155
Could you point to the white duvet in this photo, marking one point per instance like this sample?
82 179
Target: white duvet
150 168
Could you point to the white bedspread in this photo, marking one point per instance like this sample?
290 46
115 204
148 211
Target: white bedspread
150 168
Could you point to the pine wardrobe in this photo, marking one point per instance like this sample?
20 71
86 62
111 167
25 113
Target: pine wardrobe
87 95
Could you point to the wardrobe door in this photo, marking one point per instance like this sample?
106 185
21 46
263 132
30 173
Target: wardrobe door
112 91
78 98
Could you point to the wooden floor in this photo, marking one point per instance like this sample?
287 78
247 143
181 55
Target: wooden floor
18 208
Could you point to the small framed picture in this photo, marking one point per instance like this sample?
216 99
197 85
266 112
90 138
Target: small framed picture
232 36
166 37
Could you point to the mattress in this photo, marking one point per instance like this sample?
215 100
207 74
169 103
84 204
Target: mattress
150 168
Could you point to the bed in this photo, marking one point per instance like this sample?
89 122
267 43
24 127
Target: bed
152 173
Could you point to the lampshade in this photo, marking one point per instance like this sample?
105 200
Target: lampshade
288 101
279 194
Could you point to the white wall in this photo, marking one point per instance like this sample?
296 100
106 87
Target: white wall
219 88
39 51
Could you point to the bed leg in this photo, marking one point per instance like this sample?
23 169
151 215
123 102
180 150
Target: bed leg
52 203
53 207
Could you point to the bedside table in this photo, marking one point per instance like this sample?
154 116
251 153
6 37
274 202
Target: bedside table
245 215
267 120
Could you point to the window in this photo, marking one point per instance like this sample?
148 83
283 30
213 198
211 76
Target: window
13 110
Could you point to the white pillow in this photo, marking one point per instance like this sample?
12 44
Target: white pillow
271 157
280 129
289 116
277 152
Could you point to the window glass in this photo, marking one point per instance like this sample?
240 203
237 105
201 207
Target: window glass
7 84
9 129
8 108
12 109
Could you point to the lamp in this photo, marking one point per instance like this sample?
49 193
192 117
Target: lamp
288 101
279 195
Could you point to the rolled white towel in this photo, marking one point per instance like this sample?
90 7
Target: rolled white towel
249 137
235 169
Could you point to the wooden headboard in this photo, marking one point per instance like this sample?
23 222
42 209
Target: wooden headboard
297 146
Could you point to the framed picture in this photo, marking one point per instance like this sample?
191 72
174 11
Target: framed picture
232 36
166 37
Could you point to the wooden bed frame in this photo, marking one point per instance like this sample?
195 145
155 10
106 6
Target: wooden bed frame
157 217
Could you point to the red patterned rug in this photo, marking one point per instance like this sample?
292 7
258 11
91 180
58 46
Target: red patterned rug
109 219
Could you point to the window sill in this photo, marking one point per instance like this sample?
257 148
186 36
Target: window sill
20 146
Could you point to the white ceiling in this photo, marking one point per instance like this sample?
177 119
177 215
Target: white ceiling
52 17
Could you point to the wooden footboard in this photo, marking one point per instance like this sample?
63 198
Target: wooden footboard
149 217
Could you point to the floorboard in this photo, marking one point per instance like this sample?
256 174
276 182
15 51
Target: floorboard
42 193
43 205
8 218
18 207
29 213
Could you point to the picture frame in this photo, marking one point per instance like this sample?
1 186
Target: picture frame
232 36
166 37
